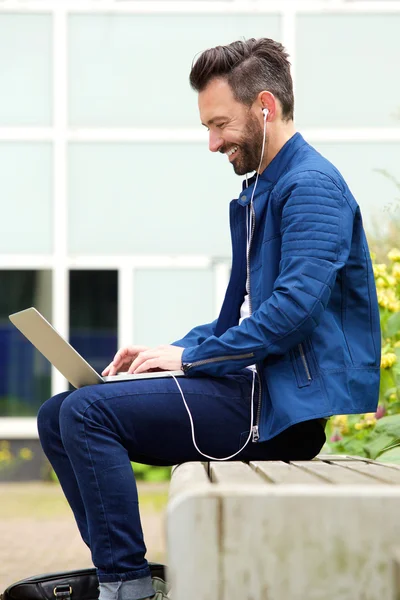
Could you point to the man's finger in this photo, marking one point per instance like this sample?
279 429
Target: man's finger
116 367
127 352
141 358
107 369
121 354
148 364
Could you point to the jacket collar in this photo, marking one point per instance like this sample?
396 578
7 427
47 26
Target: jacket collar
274 171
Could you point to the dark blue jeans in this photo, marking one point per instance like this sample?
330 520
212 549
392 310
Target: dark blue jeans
91 435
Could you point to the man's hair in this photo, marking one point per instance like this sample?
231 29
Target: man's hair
249 67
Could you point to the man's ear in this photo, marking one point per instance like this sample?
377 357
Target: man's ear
267 100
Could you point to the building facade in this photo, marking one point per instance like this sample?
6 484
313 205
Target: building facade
114 213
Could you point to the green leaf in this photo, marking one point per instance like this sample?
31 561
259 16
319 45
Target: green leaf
158 474
389 425
393 324
378 445
386 382
354 447
390 391
140 470
391 456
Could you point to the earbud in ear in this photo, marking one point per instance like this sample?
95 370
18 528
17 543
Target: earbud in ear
265 112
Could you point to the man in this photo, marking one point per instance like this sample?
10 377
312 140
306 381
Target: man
297 339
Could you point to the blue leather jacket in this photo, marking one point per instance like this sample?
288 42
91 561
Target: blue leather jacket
314 331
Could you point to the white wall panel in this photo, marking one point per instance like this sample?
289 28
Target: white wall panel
25 197
170 302
346 70
25 69
150 199
133 70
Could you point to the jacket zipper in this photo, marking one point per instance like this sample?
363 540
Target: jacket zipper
255 428
303 358
187 366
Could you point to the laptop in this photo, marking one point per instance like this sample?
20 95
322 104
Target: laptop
64 357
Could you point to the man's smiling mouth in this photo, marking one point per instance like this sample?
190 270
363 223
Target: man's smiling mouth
232 151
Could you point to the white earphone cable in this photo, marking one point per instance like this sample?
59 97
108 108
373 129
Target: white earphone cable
192 424
249 224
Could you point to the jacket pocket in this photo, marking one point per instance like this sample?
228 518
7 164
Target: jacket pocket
302 362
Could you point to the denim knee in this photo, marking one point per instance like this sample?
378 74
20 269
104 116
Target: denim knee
72 414
49 416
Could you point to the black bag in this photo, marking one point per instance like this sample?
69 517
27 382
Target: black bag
65 585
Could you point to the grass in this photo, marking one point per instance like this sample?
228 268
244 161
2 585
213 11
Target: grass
46 500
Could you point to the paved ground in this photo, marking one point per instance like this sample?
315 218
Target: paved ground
38 533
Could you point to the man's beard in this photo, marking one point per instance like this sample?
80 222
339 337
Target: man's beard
248 155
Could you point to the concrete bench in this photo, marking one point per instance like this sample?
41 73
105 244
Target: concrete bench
325 529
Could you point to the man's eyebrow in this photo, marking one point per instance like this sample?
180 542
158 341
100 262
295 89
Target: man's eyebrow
212 121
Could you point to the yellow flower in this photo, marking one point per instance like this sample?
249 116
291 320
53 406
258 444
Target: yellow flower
339 419
379 269
369 419
380 282
394 306
341 423
368 416
396 271
394 254
382 299
391 280
388 360
387 299
5 456
358 426
26 454
397 344
392 397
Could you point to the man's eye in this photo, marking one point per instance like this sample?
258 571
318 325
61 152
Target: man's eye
221 125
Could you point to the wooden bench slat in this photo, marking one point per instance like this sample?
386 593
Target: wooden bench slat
194 538
396 572
377 473
234 472
385 464
187 475
281 472
336 472
341 457
320 547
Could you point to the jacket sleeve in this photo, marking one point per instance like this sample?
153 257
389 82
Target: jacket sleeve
196 336
316 230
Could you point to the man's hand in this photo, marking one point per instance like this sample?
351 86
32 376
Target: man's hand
123 359
139 359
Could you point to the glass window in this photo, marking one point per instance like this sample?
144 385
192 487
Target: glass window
25 375
170 302
26 197
345 70
26 69
150 199
94 315
373 174
132 70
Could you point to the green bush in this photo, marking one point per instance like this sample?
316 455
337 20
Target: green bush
142 473
149 473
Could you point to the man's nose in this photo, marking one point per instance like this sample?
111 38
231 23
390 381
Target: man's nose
215 142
